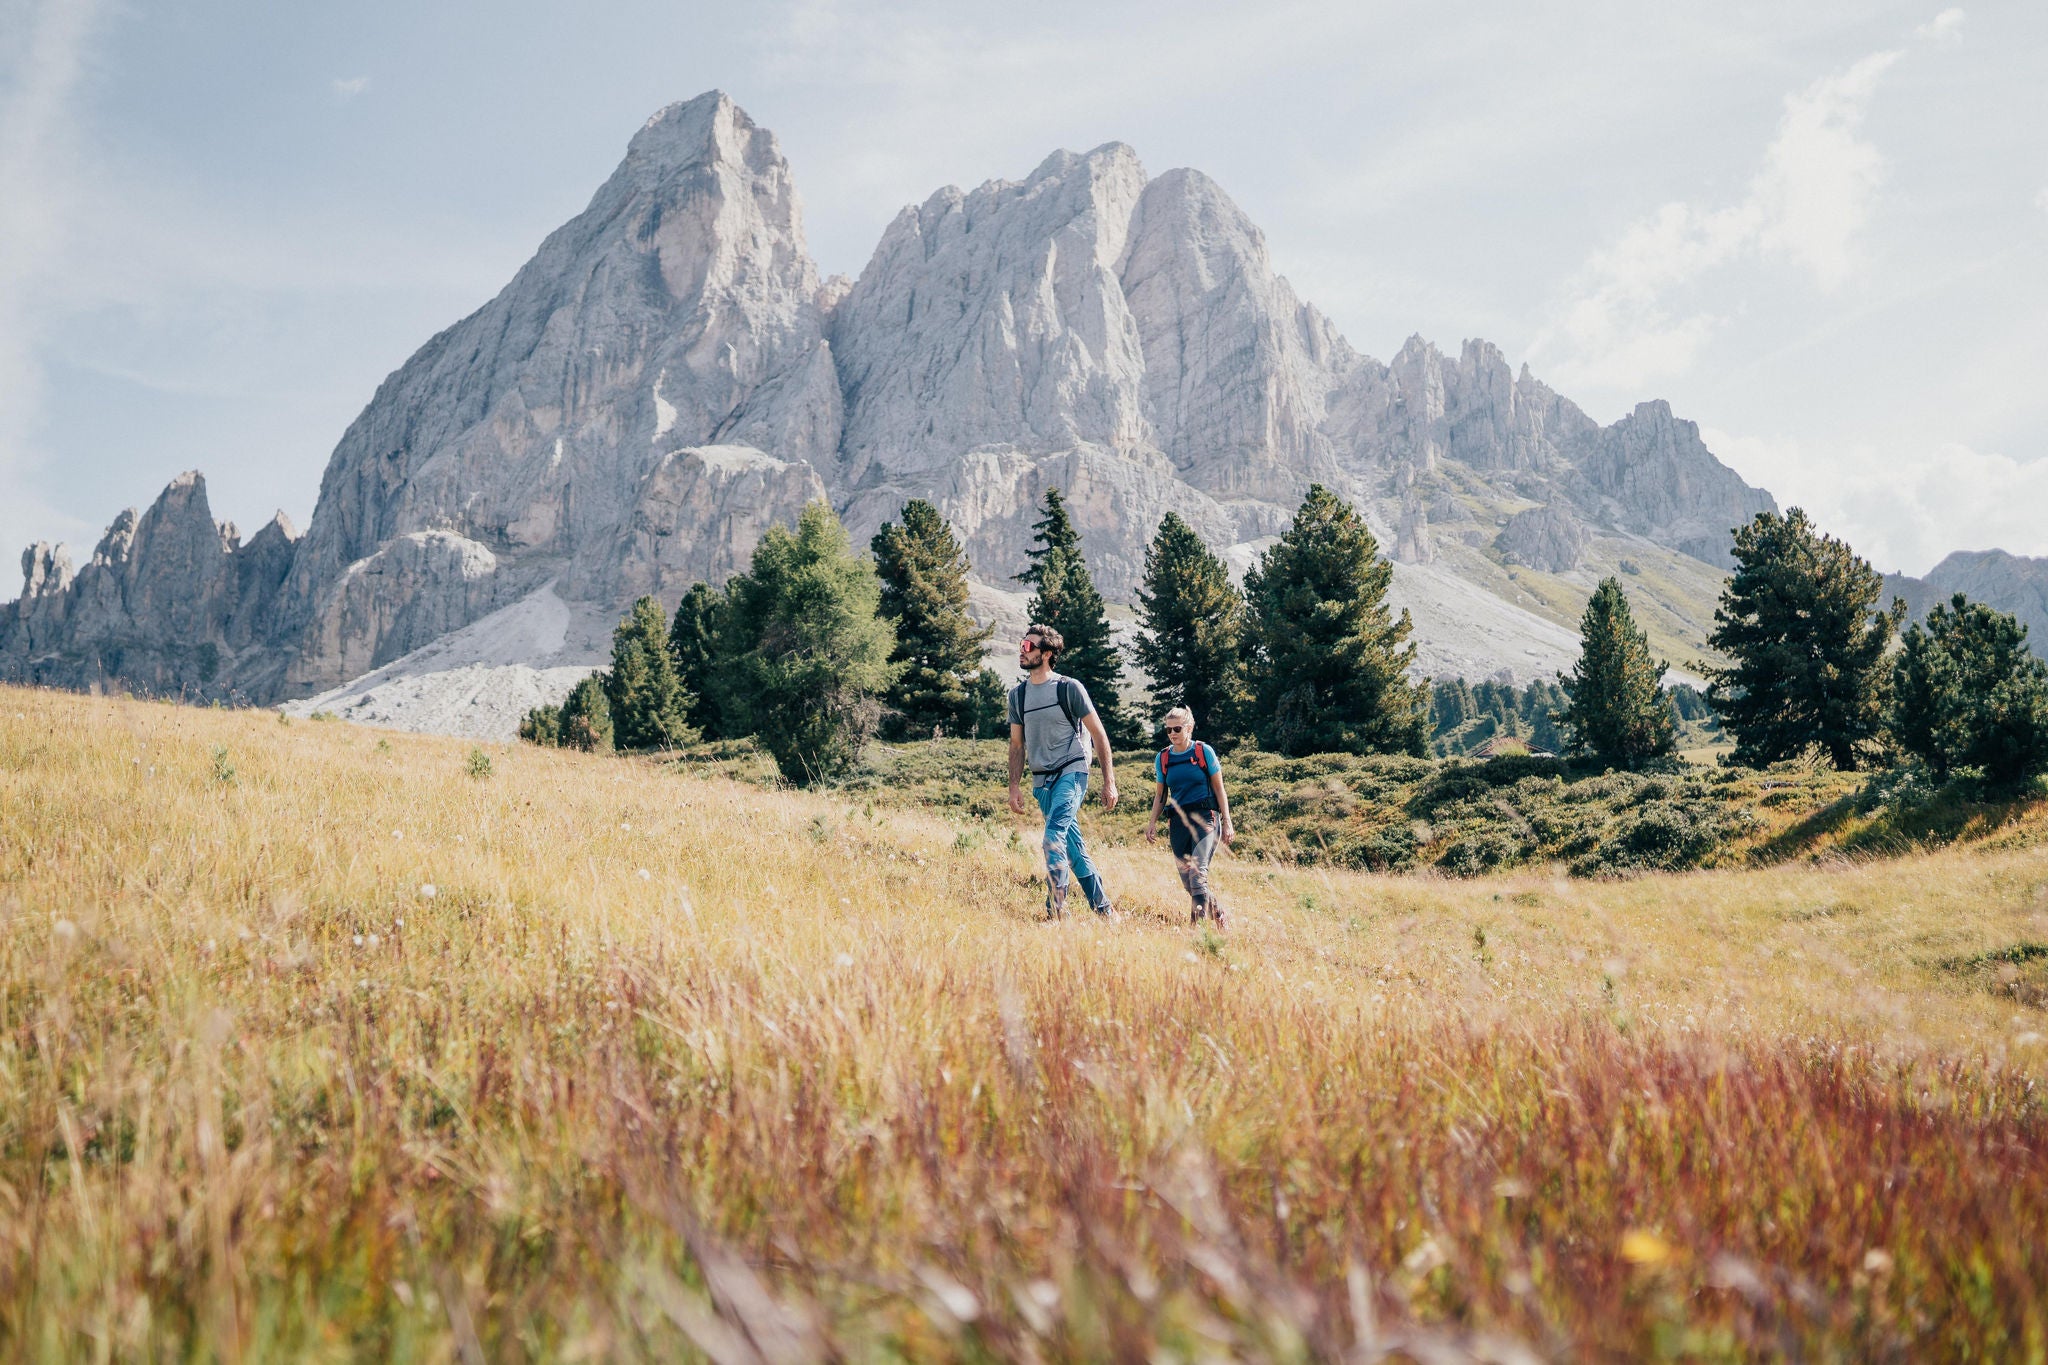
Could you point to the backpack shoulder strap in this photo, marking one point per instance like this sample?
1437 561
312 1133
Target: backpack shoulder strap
1063 689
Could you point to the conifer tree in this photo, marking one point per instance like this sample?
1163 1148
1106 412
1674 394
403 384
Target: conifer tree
1191 629
649 708
923 573
1329 670
543 726
1616 709
1967 692
1799 619
587 717
803 655
693 644
1066 599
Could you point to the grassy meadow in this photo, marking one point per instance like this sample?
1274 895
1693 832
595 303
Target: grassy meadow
318 1042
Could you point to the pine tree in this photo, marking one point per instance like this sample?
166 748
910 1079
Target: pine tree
1191 628
1329 673
693 644
1066 599
1799 620
1616 709
803 655
543 726
649 708
1967 692
587 717
923 573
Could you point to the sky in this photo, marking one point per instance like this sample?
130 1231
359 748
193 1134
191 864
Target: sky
1819 230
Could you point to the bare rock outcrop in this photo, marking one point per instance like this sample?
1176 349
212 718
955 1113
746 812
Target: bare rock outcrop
700 514
1652 475
1549 538
170 602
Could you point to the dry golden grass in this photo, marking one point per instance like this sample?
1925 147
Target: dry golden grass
317 1042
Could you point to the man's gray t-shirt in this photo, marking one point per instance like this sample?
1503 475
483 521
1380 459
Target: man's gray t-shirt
1053 745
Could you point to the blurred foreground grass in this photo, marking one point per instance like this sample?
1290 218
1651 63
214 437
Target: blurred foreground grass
320 1043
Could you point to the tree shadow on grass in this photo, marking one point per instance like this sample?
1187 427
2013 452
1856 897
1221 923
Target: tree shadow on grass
1956 813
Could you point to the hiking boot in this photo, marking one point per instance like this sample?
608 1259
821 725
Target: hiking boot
1055 905
1108 911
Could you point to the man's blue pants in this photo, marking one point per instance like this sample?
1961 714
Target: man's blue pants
1066 857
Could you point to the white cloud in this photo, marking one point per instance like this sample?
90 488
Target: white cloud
1629 319
36 211
1903 510
1946 26
2041 199
348 88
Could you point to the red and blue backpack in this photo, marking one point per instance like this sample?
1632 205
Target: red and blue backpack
1201 762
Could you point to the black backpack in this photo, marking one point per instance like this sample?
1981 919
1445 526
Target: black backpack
1065 690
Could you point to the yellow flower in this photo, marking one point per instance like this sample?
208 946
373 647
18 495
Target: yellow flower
1645 1248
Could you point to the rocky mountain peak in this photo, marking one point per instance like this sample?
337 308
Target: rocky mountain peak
668 376
680 309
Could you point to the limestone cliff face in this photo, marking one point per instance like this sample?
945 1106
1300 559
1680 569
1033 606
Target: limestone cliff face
679 310
171 601
668 376
1549 538
1651 474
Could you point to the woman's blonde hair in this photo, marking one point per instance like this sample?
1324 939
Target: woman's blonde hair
1183 713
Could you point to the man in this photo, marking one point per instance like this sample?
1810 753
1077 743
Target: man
1054 724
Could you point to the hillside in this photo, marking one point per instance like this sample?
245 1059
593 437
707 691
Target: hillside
320 1042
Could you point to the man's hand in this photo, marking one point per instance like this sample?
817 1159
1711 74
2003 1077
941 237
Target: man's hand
1016 798
1109 794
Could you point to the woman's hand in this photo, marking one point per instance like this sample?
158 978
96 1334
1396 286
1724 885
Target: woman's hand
1151 832
1228 833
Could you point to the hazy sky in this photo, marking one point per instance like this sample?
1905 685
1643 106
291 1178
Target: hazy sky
1820 230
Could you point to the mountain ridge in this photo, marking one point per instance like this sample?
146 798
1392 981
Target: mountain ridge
668 375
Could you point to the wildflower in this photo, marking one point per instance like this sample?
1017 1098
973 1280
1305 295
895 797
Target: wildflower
1645 1248
645 874
844 960
373 940
359 940
427 890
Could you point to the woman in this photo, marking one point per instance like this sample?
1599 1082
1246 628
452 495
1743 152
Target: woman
1188 784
